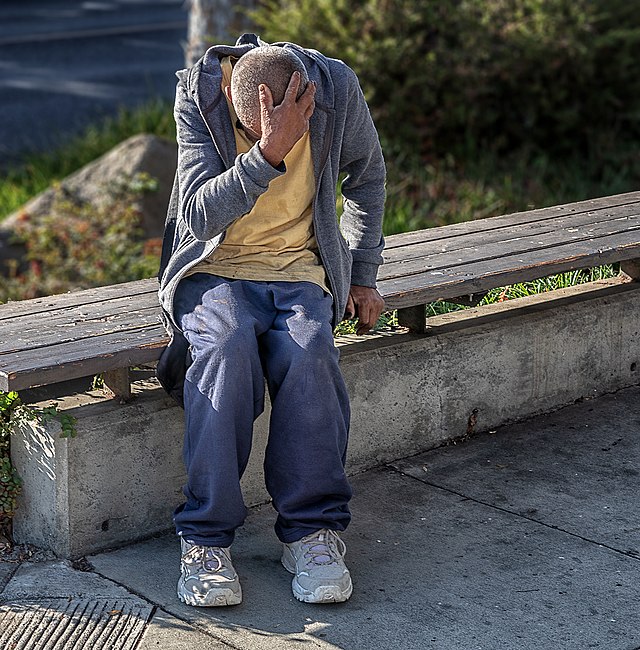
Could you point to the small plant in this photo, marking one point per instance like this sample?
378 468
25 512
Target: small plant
13 413
10 486
49 413
10 483
97 382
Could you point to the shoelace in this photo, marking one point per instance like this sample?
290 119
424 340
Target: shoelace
202 554
324 544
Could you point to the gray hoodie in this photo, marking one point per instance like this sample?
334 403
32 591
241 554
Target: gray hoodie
214 186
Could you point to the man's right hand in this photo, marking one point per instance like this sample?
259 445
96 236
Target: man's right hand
283 125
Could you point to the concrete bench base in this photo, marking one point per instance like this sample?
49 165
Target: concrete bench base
120 478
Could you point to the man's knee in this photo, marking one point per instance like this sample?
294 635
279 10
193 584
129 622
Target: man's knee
317 351
227 340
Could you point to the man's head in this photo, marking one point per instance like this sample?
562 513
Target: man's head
269 65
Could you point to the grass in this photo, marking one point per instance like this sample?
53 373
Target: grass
39 170
550 283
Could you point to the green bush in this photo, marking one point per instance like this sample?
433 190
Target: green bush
10 483
467 75
80 245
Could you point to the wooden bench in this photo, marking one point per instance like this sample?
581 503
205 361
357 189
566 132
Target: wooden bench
109 329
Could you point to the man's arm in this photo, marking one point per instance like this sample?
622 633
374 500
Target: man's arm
363 192
211 197
210 201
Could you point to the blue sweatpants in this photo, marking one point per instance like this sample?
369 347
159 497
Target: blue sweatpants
240 332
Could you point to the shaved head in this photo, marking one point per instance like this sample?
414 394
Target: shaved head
269 65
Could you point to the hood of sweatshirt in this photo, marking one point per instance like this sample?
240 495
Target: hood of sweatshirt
203 82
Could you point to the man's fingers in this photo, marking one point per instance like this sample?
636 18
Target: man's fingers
292 89
364 315
307 101
364 328
369 305
309 112
350 310
308 96
266 99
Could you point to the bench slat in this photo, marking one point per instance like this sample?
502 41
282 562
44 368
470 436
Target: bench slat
78 334
619 219
40 306
429 286
72 319
527 248
508 220
30 368
33 337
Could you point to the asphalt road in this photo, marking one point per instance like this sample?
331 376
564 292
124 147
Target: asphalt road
65 64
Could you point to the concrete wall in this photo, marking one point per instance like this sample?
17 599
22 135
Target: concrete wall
120 478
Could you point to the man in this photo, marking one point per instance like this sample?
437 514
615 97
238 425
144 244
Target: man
255 274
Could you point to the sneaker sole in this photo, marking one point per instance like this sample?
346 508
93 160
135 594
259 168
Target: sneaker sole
218 598
322 595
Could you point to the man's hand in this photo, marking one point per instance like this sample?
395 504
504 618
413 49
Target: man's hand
283 125
365 303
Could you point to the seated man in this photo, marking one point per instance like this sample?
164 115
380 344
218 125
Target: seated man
256 272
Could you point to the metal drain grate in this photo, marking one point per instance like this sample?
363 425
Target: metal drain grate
66 623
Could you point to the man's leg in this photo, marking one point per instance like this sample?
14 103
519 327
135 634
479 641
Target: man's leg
305 456
224 393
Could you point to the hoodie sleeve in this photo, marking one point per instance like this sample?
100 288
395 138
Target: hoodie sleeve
211 197
363 189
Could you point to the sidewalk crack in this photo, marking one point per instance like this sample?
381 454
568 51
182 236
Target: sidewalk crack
466 497
5 582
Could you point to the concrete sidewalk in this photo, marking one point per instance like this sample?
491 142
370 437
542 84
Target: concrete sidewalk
526 537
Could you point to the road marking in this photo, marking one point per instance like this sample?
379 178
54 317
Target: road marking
88 33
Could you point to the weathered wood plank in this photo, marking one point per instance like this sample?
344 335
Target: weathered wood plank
42 333
429 286
529 216
39 306
107 329
465 243
30 368
524 247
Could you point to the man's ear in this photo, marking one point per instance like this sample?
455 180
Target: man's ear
227 92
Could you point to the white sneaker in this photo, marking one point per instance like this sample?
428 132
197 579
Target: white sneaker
207 578
320 572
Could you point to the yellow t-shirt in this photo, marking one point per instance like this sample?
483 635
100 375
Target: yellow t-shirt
275 240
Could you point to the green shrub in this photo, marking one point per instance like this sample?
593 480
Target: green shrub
10 483
80 245
466 75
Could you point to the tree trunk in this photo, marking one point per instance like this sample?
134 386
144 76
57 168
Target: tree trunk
213 22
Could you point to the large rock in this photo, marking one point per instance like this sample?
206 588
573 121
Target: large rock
141 153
